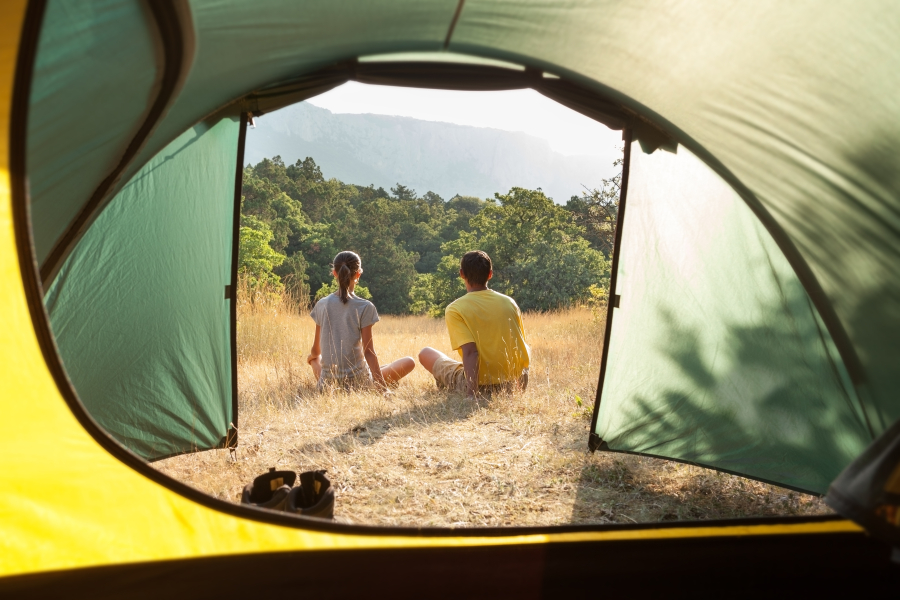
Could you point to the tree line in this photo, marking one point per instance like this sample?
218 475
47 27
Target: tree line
294 221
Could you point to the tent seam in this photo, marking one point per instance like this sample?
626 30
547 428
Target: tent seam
459 8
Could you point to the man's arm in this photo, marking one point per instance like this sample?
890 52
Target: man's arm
470 367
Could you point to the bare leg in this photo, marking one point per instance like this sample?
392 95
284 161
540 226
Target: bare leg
429 356
316 367
397 370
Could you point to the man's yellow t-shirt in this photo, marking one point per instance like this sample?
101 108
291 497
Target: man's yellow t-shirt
494 322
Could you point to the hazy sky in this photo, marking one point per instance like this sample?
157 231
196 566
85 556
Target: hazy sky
517 110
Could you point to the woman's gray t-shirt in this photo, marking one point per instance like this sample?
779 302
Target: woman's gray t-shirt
341 339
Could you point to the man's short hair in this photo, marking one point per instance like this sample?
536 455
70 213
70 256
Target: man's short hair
476 266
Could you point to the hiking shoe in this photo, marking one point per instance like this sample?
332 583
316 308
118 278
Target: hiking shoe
270 490
314 497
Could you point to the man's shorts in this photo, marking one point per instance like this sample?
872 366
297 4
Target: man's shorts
451 375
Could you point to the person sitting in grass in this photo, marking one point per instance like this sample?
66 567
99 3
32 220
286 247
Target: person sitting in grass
486 329
343 354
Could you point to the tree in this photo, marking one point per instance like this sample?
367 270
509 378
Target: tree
424 226
274 196
597 210
256 258
508 226
305 170
316 244
464 208
401 192
292 273
558 273
433 199
538 253
388 268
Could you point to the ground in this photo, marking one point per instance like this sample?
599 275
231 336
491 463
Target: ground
423 457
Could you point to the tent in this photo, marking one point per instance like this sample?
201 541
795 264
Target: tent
755 303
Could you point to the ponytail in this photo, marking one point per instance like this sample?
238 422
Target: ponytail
346 265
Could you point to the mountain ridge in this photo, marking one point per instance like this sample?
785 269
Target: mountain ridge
445 158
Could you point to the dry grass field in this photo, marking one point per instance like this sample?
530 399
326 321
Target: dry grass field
422 457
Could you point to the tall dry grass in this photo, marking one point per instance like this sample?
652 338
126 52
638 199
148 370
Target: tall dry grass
423 457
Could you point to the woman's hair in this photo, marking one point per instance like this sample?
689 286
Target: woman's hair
346 265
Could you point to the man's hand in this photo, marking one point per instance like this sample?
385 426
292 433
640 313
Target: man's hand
470 368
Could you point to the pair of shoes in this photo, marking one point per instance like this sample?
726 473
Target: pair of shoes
314 497
270 490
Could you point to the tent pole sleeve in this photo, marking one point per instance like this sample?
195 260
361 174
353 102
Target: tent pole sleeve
175 35
232 439
594 441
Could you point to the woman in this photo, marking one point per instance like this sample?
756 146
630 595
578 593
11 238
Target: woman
343 353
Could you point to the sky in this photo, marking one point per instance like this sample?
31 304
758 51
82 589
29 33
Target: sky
516 110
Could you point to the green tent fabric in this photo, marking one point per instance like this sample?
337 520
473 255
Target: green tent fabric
769 95
86 51
139 309
717 356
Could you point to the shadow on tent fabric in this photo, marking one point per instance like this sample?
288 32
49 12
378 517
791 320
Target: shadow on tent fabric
734 421
874 318
847 225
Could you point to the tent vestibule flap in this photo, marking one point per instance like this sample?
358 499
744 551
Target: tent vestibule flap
716 354
139 310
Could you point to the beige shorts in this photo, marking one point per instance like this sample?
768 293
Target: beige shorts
450 374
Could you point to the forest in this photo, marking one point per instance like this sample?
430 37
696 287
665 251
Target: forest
545 255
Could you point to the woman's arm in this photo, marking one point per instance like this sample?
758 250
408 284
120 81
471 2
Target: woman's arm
316 350
371 357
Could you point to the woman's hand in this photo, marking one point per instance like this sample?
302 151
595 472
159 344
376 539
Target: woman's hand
312 357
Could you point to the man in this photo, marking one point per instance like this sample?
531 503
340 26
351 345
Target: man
486 329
